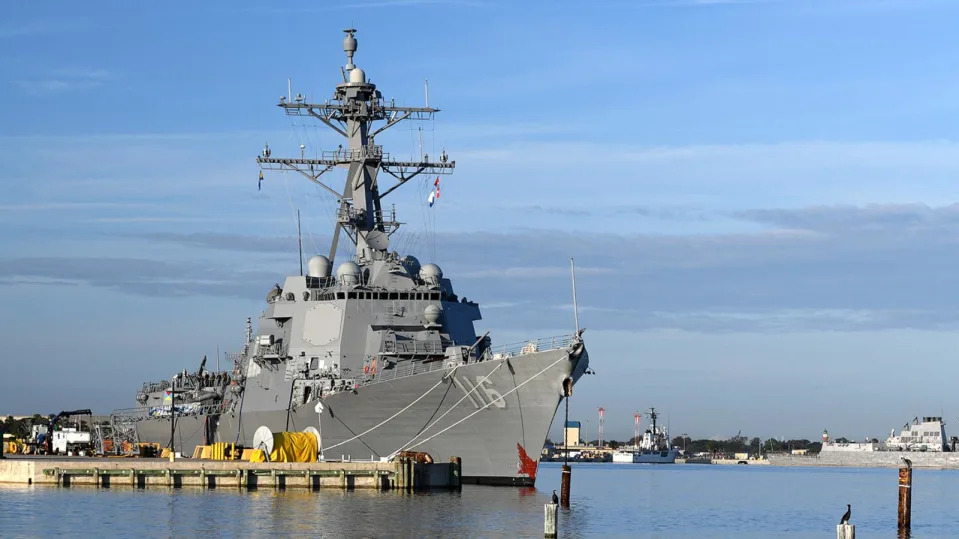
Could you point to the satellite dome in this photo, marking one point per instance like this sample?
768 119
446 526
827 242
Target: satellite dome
357 76
411 264
348 273
431 274
432 314
319 266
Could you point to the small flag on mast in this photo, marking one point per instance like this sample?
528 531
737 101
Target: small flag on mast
434 192
259 183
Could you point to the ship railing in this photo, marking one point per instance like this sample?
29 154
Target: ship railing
403 369
371 151
150 387
272 351
530 346
131 415
411 347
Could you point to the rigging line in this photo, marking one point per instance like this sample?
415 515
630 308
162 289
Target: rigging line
465 396
487 405
425 210
429 421
286 183
387 420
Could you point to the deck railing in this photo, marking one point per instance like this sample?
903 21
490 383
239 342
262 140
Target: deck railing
410 368
529 347
129 415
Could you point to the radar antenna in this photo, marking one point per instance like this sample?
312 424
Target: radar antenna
355 112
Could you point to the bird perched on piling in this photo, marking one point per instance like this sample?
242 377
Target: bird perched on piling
905 461
845 517
555 497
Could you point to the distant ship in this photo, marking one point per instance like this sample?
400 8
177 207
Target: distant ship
926 435
923 441
379 354
653 448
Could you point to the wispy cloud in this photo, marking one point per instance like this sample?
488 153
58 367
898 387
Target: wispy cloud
58 206
895 219
42 27
66 79
531 272
137 276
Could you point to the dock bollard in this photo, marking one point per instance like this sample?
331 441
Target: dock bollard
905 499
845 531
550 522
564 486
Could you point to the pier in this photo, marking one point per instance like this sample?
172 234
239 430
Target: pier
401 474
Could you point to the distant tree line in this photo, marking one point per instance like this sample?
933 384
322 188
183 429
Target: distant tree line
20 428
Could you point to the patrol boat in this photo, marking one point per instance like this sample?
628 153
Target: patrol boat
381 356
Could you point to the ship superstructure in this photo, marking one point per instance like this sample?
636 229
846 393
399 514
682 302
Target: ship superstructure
929 434
381 356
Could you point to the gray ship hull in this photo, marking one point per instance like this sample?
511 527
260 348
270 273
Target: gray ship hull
494 414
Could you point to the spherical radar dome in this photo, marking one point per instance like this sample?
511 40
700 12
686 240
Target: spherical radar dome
431 274
348 273
432 314
319 266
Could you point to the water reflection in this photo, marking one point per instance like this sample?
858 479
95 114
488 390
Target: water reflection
607 500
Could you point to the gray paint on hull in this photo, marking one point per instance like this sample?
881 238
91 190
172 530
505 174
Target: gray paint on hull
487 441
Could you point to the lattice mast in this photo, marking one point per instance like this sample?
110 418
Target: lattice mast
353 112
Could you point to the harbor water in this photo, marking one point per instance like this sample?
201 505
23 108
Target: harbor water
609 500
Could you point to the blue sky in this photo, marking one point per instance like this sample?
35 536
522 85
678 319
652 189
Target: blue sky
761 195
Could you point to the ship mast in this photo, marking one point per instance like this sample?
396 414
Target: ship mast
352 112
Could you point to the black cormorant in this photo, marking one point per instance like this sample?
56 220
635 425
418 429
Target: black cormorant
845 517
555 497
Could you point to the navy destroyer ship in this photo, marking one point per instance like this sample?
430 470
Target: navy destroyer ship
381 355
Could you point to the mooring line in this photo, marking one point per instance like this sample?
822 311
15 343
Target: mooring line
566 356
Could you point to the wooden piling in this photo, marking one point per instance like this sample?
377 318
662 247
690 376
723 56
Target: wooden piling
550 520
845 531
564 486
905 499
